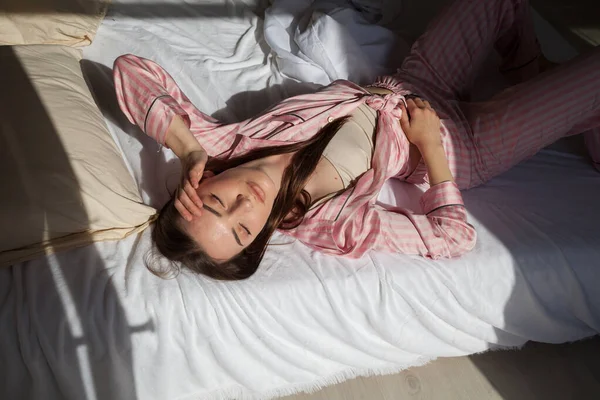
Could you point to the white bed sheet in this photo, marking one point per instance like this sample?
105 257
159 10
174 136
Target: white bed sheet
93 323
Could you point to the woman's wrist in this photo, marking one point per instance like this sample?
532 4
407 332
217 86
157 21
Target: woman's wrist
191 148
180 139
430 148
434 157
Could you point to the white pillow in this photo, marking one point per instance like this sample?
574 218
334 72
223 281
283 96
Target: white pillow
64 183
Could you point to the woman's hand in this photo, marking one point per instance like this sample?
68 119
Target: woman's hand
187 202
423 127
193 158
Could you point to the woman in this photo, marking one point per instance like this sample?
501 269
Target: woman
312 165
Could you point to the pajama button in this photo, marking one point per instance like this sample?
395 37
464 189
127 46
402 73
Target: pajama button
330 119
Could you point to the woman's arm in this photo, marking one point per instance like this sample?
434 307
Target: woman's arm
151 99
147 95
422 129
436 161
193 160
442 230
180 139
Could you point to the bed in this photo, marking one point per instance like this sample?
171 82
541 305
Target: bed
94 323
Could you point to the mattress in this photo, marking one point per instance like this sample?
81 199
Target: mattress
94 323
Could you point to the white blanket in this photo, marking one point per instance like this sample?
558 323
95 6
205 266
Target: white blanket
324 40
93 323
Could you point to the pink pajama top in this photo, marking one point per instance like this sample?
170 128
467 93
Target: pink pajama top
349 224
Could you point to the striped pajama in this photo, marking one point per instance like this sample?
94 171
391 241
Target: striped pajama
481 140
494 135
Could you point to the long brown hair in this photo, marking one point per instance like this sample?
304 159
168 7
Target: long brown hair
290 206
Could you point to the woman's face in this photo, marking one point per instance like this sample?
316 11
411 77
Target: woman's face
237 204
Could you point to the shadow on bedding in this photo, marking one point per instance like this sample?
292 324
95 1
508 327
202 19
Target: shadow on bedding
65 334
543 213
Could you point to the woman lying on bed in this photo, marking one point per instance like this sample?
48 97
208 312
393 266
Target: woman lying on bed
313 165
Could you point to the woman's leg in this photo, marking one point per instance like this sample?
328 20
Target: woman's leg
447 56
523 119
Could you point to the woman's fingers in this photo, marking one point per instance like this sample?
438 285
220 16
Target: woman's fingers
193 165
190 199
404 121
195 176
187 207
190 189
182 210
419 103
410 104
422 103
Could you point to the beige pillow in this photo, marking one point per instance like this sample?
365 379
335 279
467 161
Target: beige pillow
67 22
63 181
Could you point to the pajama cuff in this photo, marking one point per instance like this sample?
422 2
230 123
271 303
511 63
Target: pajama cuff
159 117
441 195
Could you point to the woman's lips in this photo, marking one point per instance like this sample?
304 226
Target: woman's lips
257 191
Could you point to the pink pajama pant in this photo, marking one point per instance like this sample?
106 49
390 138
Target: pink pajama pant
492 136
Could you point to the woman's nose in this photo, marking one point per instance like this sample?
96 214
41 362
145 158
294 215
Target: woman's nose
243 202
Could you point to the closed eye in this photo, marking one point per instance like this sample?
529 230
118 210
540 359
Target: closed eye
217 199
246 229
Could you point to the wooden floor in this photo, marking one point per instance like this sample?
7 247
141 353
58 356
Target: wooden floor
538 371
